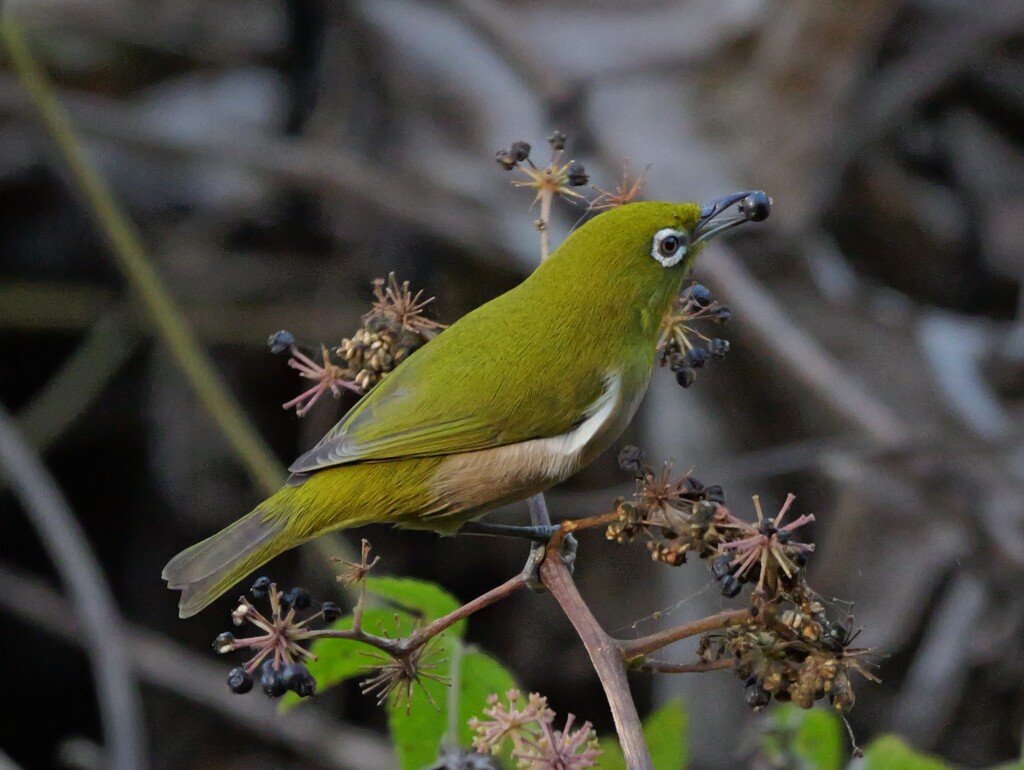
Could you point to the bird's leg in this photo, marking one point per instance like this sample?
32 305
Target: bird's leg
539 533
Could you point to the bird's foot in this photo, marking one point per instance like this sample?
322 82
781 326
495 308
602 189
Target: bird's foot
531 570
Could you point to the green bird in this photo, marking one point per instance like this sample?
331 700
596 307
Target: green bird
512 399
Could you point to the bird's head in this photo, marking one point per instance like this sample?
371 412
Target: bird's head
641 251
668 236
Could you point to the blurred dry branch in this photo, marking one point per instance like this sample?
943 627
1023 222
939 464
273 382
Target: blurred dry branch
93 604
172 667
878 344
127 247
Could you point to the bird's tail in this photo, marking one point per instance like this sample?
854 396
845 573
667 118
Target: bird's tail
208 569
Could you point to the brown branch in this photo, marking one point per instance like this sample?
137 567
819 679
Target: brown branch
503 591
606 657
405 645
635 648
687 668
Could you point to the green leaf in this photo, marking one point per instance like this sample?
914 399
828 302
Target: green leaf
421 598
417 734
611 755
890 753
814 736
341 659
480 675
665 735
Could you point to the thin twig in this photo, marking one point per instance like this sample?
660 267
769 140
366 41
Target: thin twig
127 247
94 606
503 591
687 668
635 648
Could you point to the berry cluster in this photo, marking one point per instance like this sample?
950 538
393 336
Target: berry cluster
681 515
554 178
278 655
789 648
391 331
675 346
792 651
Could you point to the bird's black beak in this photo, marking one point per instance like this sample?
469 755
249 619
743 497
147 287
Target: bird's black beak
725 213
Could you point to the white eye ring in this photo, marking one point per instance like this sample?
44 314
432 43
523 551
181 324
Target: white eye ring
669 246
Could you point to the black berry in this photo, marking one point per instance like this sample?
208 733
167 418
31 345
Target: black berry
260 587
721 567
577 175
239 680
281 341
714 494
757 696
718 348
730 586
686 377
331 611
698 294
631 459
297 598
696 357
270 680
296 677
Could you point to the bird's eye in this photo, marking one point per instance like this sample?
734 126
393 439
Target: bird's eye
669 246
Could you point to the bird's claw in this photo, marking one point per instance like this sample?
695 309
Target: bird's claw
531 570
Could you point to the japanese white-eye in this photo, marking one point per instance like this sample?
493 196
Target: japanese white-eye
513 398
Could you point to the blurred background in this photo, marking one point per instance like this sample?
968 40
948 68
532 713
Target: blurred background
277 155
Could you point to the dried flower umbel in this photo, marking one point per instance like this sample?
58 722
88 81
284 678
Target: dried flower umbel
677 346
394 328
627 191
396 676
536 744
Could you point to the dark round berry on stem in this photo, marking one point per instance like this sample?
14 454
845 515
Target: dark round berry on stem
721 567
718 348
260 587
331 611
270 680
731 586
239 680
296 677
715 494
557 140
297 598
281 341
520 151
698 294
757 696
224 643
577 175
696 357
631 459
686 377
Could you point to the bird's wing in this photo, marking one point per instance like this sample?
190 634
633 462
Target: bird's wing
455 395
